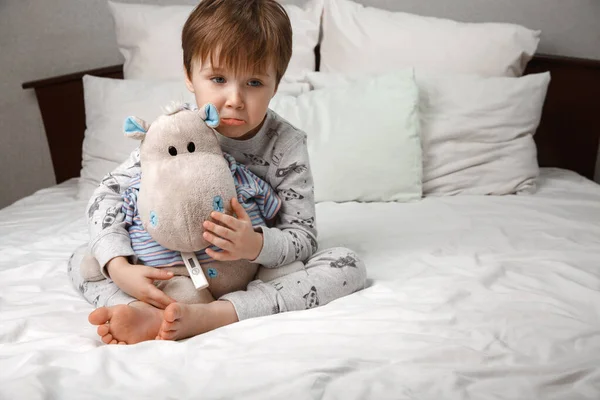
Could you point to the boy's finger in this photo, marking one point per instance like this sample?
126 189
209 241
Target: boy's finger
220 255
239 210
217 241
160 297
218 230
226 220
156 304
157 273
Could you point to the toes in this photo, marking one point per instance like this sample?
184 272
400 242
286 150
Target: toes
170 326
114 341
121 343
172 312
165 326
103 330
100 316
107 338
170 335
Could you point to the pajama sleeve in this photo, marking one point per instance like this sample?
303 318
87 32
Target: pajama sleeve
109 237
294 235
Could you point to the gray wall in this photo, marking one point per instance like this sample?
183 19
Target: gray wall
44 38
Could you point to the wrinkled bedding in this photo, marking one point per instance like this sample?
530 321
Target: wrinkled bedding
469 297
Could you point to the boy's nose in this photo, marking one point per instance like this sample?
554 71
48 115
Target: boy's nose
235 99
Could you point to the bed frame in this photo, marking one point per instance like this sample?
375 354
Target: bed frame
568 135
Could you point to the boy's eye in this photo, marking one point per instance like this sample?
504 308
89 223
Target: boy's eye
255 83
218 79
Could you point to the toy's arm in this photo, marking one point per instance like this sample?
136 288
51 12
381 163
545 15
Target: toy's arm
294 236
108 233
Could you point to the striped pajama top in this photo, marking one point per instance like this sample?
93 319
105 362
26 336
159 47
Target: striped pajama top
255 195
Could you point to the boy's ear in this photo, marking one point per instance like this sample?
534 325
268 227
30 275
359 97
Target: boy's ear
135 128
210 115
188 81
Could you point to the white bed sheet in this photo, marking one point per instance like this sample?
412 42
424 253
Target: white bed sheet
469 297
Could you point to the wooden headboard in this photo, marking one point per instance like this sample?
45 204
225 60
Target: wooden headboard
568 135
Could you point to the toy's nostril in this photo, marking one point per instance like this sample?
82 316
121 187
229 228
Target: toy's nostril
172 151
191 147
218 204
153 219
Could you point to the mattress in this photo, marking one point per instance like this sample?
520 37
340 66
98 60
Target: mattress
468 297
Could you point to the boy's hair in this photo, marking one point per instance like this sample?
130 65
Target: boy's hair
242 35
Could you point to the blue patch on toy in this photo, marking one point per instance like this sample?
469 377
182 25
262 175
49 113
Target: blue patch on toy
212 273
212 116
132 126
218 204
153 219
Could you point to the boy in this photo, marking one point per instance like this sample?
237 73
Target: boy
235 53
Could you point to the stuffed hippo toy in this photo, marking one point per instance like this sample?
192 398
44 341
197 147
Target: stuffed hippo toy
184 177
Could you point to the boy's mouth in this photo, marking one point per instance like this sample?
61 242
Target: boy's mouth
232 121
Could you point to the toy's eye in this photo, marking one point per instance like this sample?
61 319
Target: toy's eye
191 147
172 151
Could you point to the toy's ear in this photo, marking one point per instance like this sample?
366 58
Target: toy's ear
210 115
135 128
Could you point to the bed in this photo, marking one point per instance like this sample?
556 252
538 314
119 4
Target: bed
494 299
483 297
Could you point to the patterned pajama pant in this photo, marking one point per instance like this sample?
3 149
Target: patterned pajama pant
326 276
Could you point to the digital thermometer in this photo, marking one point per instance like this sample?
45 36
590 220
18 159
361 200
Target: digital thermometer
195 270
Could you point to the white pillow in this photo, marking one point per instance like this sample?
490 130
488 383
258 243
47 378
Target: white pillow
371 40
149 37
476 132
345 136
363 139
107 103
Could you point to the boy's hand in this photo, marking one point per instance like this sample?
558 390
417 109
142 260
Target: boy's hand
137 281
235 236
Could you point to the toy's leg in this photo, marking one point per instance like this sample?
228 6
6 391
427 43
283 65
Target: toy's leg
182 290
328 275
102 293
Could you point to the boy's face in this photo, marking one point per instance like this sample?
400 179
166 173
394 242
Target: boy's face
242 99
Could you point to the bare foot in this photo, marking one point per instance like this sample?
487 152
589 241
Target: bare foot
127 324
186 320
